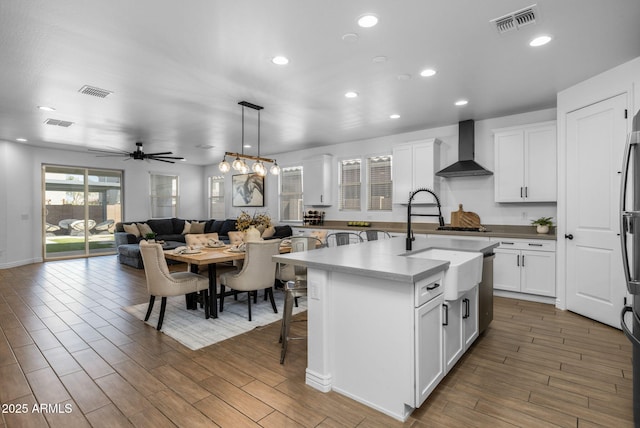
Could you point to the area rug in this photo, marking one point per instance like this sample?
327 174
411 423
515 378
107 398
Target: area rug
190 328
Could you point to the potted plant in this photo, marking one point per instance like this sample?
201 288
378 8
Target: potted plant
150 237
542 224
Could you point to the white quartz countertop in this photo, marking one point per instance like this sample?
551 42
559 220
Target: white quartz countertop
385 258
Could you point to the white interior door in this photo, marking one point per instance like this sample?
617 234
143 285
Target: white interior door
596 135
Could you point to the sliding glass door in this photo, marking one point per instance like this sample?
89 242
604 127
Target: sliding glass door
80 209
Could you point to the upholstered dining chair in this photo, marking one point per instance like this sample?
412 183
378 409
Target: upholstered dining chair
374 234
161 282
321 235
195 239
258 272
343 238
235 237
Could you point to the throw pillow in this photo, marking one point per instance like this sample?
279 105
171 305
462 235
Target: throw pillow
132 229
187 228
144 229
197 227
269 232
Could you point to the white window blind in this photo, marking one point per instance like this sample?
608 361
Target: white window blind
379 184
164 195
291 194
350 184
216 197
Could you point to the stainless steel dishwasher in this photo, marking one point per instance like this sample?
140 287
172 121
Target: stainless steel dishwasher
485 293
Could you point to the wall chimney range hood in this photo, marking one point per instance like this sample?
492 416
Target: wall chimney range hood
466 166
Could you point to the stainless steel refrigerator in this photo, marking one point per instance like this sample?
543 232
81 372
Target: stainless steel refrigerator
630 240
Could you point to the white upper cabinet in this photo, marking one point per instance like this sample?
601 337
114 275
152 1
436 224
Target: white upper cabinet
414 166
316 176
525 169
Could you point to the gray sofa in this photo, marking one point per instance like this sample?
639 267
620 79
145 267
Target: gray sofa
166 229
170 230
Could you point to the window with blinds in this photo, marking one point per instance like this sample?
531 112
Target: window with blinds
216 197
163 195
350 184
291 194
379 184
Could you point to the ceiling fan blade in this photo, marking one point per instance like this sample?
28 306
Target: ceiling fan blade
107 155
160 153
165 157
119 152
162 160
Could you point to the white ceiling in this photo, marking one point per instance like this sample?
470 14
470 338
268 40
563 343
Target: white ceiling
178 69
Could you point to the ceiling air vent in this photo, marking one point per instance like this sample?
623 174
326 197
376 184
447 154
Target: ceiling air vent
95 92
56 122
515 20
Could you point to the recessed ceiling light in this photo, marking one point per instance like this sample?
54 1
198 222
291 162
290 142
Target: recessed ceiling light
368 20
428 72
350 37
379 59
46 108
21 140
247 146
394 116
540 41
280 60
351 94
403 76
462 102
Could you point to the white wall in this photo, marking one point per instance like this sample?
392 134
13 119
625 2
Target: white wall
476 193
20 191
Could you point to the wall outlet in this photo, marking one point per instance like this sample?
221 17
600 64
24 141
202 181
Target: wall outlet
524 215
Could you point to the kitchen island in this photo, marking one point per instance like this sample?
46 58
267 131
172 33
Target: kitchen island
375 320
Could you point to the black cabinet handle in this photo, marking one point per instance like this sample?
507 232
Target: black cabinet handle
466 308
523 260
518 260
433 287
446 314
569 236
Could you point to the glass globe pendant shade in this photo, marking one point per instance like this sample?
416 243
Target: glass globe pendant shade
275 169
237 164
244 168
259 168
224 166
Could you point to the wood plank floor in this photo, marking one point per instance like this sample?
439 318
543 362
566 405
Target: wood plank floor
64 340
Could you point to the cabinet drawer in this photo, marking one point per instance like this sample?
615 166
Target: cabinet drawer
428 288
525 244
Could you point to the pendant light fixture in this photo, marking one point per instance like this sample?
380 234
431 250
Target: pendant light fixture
239 163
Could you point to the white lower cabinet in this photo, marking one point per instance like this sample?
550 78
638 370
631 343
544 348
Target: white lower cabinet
429 358
460 326
525 266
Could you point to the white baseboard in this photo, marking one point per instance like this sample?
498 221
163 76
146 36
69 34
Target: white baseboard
525 296
17 263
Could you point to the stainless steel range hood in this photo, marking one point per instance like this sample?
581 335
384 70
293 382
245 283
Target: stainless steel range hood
466 166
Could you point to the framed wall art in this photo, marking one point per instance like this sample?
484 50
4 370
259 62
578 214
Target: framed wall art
247 190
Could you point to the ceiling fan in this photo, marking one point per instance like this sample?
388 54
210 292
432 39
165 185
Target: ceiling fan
138 154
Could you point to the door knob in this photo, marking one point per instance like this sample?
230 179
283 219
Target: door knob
569 236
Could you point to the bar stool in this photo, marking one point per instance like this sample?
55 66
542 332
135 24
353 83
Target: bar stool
294 278
293 290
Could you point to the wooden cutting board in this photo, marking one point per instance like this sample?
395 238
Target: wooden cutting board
463 218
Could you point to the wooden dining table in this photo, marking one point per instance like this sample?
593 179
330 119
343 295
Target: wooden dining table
210 257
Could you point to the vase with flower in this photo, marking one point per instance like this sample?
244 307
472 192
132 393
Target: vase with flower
252 226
